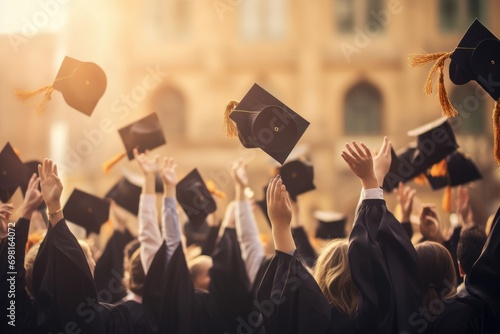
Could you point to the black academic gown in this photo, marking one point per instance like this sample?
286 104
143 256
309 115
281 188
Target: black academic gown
108 274
384 267
483 281
172 305
13 271
304 246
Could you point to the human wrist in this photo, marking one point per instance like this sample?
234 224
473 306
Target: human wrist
369 182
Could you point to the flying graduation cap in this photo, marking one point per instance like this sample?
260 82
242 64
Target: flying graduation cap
82 84
477 57
261 120
86 210
13 172
298 177
126 194
195 198
143 134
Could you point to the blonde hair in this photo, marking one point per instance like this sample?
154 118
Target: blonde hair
333 275
134 276
195 265
29 261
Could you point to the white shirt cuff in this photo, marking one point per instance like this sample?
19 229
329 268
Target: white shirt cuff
374 193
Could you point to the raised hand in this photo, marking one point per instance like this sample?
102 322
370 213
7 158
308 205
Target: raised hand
239 173
463 206
147 164
33 197
382 161
360 160
51 189
169 177
405 197
430 224
279 209
6 210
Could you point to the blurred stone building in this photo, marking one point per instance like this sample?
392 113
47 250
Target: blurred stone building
341 64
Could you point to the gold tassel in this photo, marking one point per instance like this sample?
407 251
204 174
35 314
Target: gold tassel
446 204
106 167
420 179
212 188
422 59
439 169
447 107
26 95
496 132
17 152
230 128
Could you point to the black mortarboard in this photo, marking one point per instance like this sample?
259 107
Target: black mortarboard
143 134
82 84
477 57
265 122
86 210
126 194
12 172
195 233
331 225
194 197
298 177
460 169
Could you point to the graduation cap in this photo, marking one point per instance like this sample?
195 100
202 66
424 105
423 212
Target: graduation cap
12 172
298 177
82 84
477 57
126 194
457 169
86 210
143 134
435 141
261 120
195 198
331 225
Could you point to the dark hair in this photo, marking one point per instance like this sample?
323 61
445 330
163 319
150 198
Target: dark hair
470 246
436 272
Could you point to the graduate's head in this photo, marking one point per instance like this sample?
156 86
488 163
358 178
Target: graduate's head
436 272
333 274
134 275
29 261
199 268
469 248
88 255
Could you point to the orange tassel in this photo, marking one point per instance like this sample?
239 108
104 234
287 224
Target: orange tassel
496 132
17 152
106 167
420 179
26 95
446 106
212 188
230 128
446 204
439 169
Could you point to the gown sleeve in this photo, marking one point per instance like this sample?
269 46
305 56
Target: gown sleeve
483 281
108 274
289 298
304 246
65 296
384 267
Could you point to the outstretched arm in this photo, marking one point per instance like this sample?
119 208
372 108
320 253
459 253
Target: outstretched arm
279 209
149 232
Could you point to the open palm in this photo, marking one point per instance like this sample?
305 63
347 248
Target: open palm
50 182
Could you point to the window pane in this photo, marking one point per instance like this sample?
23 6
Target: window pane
449 12
344 15
471 109
276 18
476 8
363 110
374 7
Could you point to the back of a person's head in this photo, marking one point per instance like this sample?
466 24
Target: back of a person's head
29 261
333 275
469 247
436 272
134 275
129 250
199 268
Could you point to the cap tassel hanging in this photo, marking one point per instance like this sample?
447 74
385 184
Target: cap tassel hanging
440 169
106 167
212 188
440 58
420 179
446 203
230 128
26 95
496 132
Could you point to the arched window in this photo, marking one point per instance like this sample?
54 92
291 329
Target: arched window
457 15
363 110
170 105
469 100
263 19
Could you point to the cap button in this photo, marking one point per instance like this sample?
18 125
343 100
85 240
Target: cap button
276 129
4 172
492 62
294 175
89 210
